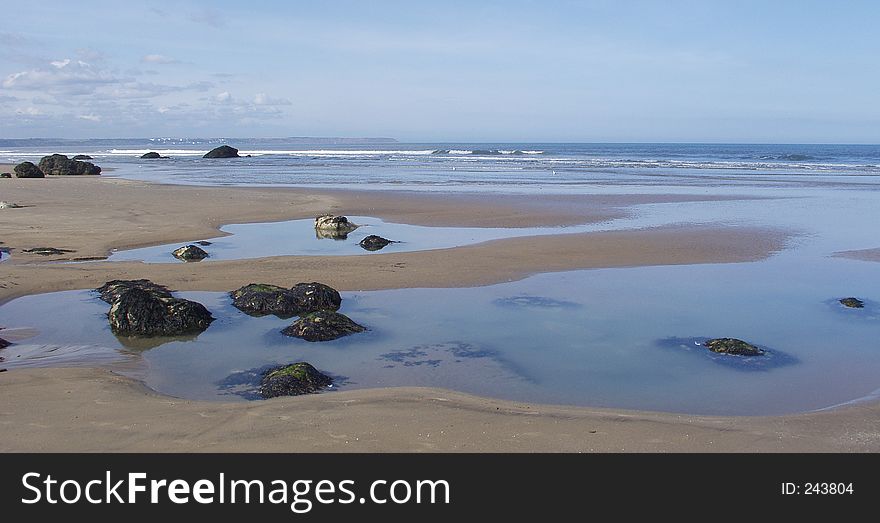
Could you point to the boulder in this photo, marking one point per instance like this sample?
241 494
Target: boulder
138 312
334 225
224 151
3 345
5 175
114 289
151 155
374 243
60 165
258 299
322 326
852 303
293 380
82 157
190 253
732 346
28 170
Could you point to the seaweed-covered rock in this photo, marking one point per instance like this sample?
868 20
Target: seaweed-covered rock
47 251
190 253
322 326
82 157
334 225
293 380
5 175
732 346
112 290
151 155
138 312
224 151
374 243
259 299
61 165
852 303
28 170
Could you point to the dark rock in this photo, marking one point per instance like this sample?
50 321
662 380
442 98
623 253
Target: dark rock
259 299
5 175
47 251
852 303
114 289
203 243
151 155
82 157
138 312
224 151
732 346
293 380
374 243
28 170
329 223
60 165
322 326
3 345
190 253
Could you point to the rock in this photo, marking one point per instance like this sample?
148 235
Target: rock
47 251
852 303
151 155
259 299
5 175
114 289
60 165
9 205
3 345
732 346
224 151
82 157
322 326
28 170
330 226
374 243
138 312
190 253
203 243
293 380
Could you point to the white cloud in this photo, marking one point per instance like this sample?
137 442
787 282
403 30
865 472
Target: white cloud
158 59
89 117
264 99
223 97
163 109
61 64
65 76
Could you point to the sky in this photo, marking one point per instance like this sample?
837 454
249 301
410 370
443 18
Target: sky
427 71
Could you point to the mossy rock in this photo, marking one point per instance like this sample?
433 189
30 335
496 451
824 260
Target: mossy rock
28 170
852 303
113 289
322 326
293 380
138 312
733 346
260 299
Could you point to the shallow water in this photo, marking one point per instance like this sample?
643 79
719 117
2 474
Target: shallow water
610 337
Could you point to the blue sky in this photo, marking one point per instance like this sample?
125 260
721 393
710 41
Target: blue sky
725 71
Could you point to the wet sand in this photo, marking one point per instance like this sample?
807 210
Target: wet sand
88 409
872 255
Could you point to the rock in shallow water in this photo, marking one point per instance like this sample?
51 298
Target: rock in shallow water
732 346
47 251
329 223
190 253
293 380
224 151
3 345
322 326
260 299
82 157
852 303
374 243
151 155
138 312
114 289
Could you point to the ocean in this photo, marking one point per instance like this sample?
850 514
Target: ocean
508 167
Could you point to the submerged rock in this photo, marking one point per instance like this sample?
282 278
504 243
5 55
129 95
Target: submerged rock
374 243
329 223
190 253
203 243
114 289
151 155
28 170
732 346
259 299
82 157
322 326
47 251
61 165
852 303
138 312
224 151
293 380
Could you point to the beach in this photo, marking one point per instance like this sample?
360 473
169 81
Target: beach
96 410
